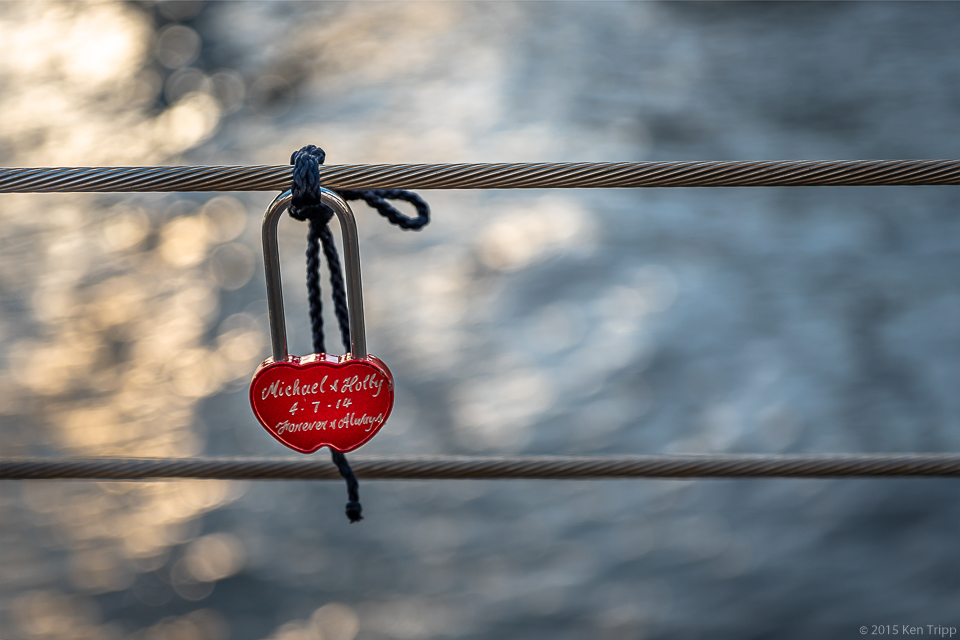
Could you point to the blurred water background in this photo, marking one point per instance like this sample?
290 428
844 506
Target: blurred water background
616 321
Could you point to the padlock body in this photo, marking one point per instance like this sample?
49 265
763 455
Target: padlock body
322 400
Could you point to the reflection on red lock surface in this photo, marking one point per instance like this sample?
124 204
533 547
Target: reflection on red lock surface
322 400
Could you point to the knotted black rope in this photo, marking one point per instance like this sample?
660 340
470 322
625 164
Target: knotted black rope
306 205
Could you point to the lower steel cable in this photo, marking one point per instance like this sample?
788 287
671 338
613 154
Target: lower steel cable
488 467
570 175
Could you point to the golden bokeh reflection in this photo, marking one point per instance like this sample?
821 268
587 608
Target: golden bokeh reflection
118 342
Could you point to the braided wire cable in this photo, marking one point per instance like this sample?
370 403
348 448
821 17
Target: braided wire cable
489 176
489 467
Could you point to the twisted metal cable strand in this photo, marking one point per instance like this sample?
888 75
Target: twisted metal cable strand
489 176
487 467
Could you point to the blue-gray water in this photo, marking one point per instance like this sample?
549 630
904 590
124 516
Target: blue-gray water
609 321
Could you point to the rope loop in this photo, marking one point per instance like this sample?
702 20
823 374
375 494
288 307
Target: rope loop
377 198
306 201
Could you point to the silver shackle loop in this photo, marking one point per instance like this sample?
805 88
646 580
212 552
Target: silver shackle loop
351 264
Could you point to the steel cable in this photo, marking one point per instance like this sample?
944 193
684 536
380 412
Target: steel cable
488 467
489 176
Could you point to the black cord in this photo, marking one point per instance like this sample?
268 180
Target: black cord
305 205
377 198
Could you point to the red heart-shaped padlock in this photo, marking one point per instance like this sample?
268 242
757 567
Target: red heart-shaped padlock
322 400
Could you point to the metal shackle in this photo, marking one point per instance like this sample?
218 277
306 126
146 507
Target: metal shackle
351 264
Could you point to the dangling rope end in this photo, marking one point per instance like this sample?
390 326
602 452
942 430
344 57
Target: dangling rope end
354 512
